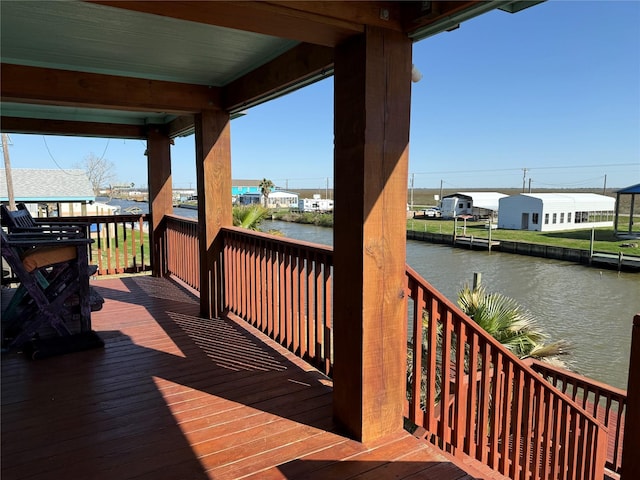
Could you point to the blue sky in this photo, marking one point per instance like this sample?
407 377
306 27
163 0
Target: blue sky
554 89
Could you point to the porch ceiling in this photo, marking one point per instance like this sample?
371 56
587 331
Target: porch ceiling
108 68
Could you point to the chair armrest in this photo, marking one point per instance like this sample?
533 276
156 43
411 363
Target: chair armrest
44 240
40 221
47 230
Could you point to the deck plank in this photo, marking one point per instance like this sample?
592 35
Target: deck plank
173 395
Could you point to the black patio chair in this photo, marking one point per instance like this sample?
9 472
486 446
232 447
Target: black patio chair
53 272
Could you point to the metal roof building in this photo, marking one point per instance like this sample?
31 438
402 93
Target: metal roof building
32 185
470 203
555 211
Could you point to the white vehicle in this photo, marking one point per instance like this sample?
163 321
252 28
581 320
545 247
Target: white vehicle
433 212
315 204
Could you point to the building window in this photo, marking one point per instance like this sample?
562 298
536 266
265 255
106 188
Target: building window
546 219
461 205
562 217
534 218
569 217
581 217
555 218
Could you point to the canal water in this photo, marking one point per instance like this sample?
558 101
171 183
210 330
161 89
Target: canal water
593 309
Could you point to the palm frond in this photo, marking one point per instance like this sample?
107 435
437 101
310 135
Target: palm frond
510 324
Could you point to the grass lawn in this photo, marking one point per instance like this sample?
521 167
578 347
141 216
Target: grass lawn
605 241
137 253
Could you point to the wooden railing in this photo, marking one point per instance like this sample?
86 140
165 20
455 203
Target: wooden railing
486 404
606 403
182 249
121 242
283 288
476 399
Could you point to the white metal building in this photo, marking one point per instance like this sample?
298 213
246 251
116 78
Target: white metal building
478 204
282 199
315 204
546 212
276 199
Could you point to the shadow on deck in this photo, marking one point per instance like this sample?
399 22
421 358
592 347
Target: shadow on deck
176 396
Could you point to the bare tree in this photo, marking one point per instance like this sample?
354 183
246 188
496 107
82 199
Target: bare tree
101 172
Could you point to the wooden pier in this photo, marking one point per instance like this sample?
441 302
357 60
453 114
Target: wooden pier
475 242
612 260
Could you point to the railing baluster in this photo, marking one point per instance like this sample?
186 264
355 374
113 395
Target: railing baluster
416 348
484 431
461 387
328 318
496 410
516 457
506 416
471 424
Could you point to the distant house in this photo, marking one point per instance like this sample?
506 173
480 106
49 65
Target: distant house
477 204
277 199
282 199
545 212
68 190
248 199
241 187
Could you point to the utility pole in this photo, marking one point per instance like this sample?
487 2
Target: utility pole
524 179
7 171
604 188
441 190
412 179
327 189
529 184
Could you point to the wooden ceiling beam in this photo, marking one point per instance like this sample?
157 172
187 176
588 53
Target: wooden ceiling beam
42 126
320 23
46 86
421 15
291 70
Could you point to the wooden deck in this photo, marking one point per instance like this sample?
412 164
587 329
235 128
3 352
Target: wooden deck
174 396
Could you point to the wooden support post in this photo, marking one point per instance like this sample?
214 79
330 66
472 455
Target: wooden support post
372 110
631 441
477 280
213 170
160 194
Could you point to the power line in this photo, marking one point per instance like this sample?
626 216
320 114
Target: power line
57 164
44 139
519 169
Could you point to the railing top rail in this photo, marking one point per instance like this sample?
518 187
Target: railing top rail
317 247
180 218
469 323
532 362
100 218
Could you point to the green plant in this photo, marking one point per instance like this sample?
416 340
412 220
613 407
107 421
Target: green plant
250 217
510 324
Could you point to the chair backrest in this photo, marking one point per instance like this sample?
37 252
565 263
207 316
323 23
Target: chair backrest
20 220
17 219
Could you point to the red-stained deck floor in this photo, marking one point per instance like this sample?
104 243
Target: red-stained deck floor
174 396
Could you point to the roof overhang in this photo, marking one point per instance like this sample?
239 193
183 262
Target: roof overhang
112 68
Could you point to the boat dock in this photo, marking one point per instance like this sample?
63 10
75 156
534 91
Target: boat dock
474 242
620 260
